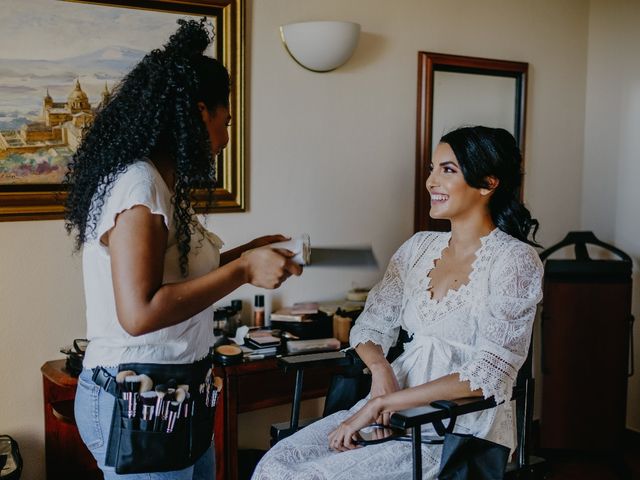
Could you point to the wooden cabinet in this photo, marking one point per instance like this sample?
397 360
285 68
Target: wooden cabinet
586 326
65 453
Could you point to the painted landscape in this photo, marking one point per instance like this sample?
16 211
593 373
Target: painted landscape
58 62
24 87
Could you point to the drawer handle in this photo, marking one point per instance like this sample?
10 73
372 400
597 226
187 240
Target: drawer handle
63 411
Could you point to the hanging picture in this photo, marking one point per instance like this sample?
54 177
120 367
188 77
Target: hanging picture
60 61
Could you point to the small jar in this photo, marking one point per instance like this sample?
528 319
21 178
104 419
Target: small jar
341 328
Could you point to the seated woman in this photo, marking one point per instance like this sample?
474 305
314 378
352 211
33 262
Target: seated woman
469 299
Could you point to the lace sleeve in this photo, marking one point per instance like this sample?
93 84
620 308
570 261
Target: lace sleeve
379 323
505 323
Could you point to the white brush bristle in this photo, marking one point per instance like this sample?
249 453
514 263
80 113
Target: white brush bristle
146 383
180 395
124 374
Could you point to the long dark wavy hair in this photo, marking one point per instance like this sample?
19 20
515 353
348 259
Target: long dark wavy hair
484 152
153 108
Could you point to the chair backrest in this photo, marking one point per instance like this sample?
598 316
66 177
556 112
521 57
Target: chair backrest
523 393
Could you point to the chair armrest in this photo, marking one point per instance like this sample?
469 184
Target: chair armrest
323 359
413 417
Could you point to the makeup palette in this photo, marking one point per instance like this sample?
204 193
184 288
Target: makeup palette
227 354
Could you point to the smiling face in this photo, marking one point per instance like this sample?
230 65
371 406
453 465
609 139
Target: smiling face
451 196
217 123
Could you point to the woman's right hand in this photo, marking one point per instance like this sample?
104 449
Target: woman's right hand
383 382
268 267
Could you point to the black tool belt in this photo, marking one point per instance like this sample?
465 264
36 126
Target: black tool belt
161 428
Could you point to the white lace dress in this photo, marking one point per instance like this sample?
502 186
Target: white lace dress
480 331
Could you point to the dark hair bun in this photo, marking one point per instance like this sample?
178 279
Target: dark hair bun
191 38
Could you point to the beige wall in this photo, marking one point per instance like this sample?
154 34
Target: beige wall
610 195
330 154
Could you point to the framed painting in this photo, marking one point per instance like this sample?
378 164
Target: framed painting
65 58
456 91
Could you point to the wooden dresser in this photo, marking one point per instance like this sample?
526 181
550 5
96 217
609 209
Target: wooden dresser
65 453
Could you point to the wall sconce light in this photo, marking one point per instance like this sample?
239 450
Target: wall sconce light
320 46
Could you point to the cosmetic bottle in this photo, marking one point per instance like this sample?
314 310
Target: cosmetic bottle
234 319
220 321
236 306
258 311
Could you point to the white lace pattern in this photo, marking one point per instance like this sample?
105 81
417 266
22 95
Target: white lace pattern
480 331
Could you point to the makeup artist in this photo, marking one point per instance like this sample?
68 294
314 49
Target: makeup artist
151 270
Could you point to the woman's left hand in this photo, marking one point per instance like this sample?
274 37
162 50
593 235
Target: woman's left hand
266 240
343 437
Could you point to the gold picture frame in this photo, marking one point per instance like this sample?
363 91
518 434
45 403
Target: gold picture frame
46 201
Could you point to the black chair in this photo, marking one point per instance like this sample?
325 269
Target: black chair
523 465
353 367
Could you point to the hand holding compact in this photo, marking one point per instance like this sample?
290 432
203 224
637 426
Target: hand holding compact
301 248
266 240
269 267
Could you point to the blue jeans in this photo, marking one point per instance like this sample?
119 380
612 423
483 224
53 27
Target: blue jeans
93 410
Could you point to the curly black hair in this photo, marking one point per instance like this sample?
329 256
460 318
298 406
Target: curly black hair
153 107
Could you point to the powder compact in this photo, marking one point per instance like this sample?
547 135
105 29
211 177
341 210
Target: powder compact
227 354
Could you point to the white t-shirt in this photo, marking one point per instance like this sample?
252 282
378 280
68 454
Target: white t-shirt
110 344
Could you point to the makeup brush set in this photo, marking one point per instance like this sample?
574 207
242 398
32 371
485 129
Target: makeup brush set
160 408
163 417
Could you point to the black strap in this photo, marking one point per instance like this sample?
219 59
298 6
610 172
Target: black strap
437 424
104 379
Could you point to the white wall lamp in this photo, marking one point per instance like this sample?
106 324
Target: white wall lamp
320 46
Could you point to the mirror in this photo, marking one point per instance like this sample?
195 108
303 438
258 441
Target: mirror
456 91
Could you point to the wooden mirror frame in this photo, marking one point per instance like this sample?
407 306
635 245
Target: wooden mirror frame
428 64
46 201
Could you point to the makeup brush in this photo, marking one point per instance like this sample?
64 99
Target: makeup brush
215 391
185 409
180 397
169 397
120 376
174 408
146 383
132 384
148 400
161 391
185 406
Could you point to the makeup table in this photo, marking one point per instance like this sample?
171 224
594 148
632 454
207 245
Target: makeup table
247 387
